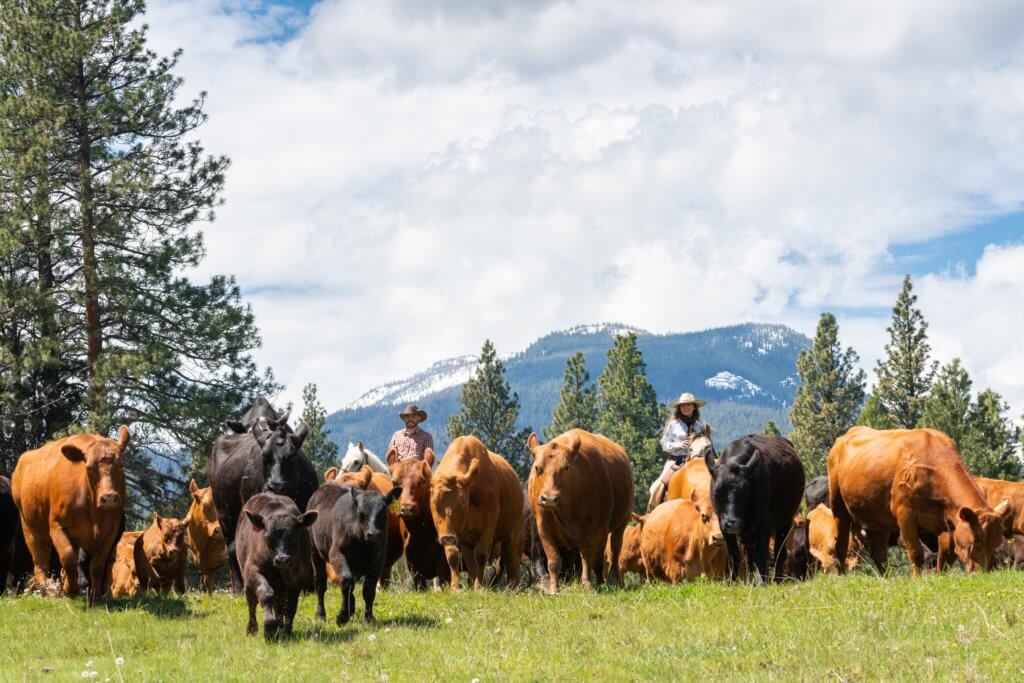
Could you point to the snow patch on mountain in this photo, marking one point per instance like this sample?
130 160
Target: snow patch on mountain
727 381
442 375
615 329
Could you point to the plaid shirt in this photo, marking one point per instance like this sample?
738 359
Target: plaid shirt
411 445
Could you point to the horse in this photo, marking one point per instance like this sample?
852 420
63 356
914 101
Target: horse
358 456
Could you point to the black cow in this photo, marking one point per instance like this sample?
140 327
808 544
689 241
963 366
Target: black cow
350 535
260 412
273 548
817 492
243 465
571 563
10 526
756 487
798 552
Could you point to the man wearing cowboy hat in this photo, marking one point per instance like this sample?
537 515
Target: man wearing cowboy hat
411 442
680 431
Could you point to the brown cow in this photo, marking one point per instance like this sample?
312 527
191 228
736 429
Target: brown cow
122 579
822 537
160 556
205 539
692 482
71 495
996 491
906 480
423 553
581 492
677 545
477 504
367 479
630 558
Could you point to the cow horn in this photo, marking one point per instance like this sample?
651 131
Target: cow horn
300 433
123 435
709 460
753 460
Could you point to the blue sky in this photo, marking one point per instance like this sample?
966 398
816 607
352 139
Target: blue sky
410 177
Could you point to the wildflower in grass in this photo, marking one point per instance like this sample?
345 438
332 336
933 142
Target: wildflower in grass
372 637
448 620
119 661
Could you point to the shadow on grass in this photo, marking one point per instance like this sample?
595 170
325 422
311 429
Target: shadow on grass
161 606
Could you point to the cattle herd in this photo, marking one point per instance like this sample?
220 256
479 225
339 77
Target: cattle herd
735 515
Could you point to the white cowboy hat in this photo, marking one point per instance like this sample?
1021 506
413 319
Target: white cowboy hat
687 397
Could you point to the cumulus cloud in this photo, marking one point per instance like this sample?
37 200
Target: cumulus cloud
411 177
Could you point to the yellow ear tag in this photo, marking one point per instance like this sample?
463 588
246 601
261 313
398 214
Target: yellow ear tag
395 507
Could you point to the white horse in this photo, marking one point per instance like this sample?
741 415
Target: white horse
358 455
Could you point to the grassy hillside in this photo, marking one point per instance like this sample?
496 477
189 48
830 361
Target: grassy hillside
951 627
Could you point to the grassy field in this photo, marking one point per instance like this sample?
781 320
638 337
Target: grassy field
853 628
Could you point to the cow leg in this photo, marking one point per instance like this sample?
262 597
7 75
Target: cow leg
757 554
615 540
907 521
369 595
476 560
879 549
596 551
234 569
291 606
781 551
554 565
843 521
39 548
68 555
319 585
732 547
348 599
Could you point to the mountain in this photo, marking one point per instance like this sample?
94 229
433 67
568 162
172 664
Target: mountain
745 372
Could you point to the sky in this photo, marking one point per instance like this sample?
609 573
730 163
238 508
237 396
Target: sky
410 177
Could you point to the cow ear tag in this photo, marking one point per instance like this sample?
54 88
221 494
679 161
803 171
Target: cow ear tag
395 506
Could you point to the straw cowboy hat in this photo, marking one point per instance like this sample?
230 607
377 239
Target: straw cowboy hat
411 410
687 397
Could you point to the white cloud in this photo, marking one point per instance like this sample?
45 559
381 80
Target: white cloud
411 177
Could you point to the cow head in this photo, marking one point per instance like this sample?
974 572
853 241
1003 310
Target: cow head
414 476
366 513
165 539
104 466
449 504
977 534
553 468
732 488
203 522
281 448
282 534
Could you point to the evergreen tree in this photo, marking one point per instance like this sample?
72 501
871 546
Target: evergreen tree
874 414
629 412
948 406
577 408
772 429
829 397
318 447
109 170
905 375
489 409
991 448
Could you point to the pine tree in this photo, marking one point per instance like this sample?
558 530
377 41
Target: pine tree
772 429
318 447
874 414
990 449
829 397
108 166
577 408
905 375
489 409
629 412
948 406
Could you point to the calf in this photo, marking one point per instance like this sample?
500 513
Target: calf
581 492
160 555
910 481
756 489
424 555
477 504
274 553
797 556
123 581
630 558
369 479
205 538
676 544
350 535
823 536
70 495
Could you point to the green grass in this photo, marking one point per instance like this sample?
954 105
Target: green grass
852 628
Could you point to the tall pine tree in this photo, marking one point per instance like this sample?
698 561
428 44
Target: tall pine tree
991 448
489 409
629 412
874 414
948 406
905 374
829 397
318 447
108 166
577 408
772 429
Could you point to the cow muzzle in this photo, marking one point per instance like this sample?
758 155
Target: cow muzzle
549 500
109 501
732 526
407 510
282 561
276 487
447 539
